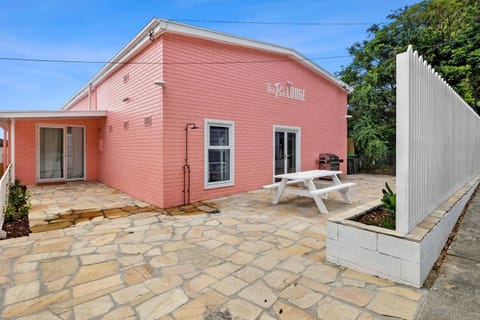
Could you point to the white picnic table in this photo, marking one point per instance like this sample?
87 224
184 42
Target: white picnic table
306 178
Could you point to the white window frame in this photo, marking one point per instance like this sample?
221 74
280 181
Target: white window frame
298 146
231 138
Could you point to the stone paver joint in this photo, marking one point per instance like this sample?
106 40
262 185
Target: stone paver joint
125 259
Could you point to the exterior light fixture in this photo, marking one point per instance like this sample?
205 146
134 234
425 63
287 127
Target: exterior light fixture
160 83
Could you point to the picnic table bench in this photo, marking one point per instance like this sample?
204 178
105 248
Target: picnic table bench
306 178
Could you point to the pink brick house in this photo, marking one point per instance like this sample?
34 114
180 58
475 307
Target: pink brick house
261 109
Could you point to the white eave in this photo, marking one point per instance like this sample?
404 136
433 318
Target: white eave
157 27
51 114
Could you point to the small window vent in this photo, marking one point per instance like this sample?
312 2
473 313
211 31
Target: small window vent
110 129
126 125
126 78
147 121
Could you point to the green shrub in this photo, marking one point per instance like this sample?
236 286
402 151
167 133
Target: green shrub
389 201
388 222
18 205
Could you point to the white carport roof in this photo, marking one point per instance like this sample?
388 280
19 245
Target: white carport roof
4 115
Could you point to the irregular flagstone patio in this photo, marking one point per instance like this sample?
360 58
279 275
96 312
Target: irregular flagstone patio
253 260
57 206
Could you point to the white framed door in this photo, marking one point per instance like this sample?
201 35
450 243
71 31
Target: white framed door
50 159
286 149
75 153
60 153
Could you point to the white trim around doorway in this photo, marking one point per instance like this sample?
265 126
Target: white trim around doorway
298 148
38 126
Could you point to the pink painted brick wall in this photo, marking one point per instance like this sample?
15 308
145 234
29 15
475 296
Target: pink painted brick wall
26 150
132 155
82 104
146 161
237 92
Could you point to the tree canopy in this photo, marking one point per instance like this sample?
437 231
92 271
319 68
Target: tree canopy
445 32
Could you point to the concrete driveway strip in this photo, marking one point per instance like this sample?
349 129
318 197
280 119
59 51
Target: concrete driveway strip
456 292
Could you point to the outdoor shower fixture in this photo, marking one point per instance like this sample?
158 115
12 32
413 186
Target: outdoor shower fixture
186 166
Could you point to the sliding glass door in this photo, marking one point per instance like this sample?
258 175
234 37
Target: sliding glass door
61 153
51 154
75 153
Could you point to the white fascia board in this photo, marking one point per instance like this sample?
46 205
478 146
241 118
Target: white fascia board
323 72
217 36
51 114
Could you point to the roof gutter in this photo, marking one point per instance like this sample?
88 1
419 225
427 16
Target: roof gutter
9 115
141 40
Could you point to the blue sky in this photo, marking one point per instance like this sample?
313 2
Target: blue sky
97 30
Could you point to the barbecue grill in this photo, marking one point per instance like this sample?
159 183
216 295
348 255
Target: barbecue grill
329 161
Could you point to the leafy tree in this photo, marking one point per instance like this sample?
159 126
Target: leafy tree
445 32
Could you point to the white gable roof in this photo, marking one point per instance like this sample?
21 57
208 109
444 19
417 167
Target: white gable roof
157 27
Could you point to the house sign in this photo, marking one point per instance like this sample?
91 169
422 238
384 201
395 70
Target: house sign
286 90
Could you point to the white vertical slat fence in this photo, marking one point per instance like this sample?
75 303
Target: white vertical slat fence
4 184
438 140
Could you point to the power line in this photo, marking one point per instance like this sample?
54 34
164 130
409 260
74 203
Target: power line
427 49
79 61
277 22
164 63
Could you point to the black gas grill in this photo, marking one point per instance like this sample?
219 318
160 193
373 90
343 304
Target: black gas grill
329 161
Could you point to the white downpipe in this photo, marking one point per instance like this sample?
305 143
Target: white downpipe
4 181
4 127
12 149
90 96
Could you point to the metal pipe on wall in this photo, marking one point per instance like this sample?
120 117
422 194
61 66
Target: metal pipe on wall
186 166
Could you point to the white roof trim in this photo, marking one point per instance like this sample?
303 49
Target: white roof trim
160 26
51 114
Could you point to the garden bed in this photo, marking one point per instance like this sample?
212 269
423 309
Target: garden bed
376 216
403 258
16 223
381 216
17 228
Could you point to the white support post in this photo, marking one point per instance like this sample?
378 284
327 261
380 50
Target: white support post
403 140
12 150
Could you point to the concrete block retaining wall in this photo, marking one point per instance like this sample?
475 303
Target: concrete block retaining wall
405 259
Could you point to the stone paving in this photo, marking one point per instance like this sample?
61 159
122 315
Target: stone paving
253 260
57 206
